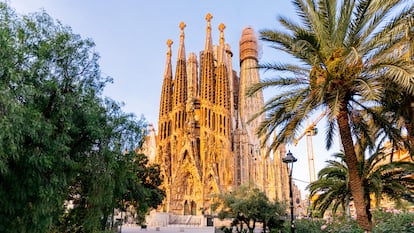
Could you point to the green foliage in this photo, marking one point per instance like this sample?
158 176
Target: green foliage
331 190
339 225
247 207
393 222
344 225
60 139
305 226
137 184
380 179
384 222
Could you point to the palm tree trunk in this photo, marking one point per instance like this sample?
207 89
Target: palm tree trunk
410 125
355 182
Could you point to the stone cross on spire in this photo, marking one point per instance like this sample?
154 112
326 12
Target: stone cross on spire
181 50
209 43
221 29
182 26
169 43
208 18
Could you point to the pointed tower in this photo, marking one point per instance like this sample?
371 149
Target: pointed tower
251 155
180 86
222 99
209 143
207 91
166 96
164 123
221 115
184 188
249 75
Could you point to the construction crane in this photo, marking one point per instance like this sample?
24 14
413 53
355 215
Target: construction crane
310 131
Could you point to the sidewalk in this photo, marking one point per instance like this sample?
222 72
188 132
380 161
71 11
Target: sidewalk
168 229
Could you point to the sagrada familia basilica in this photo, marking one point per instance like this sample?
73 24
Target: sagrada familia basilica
205 143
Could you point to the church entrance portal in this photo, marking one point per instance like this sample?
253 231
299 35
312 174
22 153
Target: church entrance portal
190 208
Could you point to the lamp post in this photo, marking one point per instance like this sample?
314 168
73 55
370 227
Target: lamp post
289 160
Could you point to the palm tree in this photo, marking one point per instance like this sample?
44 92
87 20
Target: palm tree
381 178
346 49
332 187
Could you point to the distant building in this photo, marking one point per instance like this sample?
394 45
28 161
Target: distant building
204 143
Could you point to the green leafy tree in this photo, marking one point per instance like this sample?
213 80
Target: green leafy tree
345 50
247 207
51 83
137 184
95 188
60 139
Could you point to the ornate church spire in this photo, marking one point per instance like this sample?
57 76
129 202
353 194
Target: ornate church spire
207 67
209 43
181 50
221 29
222 50
180 84
166 94
222 83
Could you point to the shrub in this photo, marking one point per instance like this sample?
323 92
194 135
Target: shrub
391 221
307 226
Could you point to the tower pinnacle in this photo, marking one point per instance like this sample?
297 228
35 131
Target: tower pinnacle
209 44
222 50
168 71
166 94
209 17
169 43
248 45
221 29
182 26
181 50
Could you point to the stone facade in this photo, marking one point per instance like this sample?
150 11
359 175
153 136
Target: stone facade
204 143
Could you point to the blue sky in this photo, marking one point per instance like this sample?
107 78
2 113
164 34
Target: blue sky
131 35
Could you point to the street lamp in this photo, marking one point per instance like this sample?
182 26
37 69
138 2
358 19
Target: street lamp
289 160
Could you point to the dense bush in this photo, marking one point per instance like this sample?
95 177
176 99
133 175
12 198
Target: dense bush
306 225
339 225
390 221
384 222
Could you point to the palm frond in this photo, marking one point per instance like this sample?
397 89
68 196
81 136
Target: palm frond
327 15
378 16
358 22
387 40
305 11
343 22
330 134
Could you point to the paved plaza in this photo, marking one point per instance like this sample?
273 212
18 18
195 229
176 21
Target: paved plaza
169 229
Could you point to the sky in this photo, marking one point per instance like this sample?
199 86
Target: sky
131 35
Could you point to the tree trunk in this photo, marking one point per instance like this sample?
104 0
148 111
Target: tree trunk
355 182
410 125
